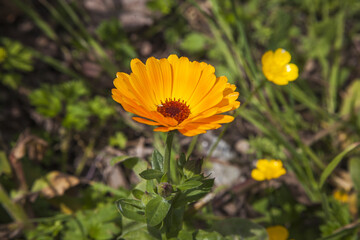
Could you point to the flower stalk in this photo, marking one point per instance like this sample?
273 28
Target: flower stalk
167 156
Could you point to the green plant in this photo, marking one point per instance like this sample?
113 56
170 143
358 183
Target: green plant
15 59
70 102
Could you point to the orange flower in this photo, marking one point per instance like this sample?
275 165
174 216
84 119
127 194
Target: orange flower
277 68
175 93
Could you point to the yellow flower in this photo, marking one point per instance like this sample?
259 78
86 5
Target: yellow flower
277 233
267 170
341 196
276 67
175 93
2 54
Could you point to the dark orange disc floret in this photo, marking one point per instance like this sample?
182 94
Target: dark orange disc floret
176 109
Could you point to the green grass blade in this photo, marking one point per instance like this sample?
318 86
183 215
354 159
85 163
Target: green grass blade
344 232
37 19
354 167
331 167
56 64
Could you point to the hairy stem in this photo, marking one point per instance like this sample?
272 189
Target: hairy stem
167 157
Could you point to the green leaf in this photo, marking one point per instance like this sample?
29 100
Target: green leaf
354 168
164 178
351 98
332 165
71 91
137 193
20 64
157 161
189 196
194 42
150 186
46 101
343 233
173 222
243 228
12 80
204 235
208 183
185 235
150 174
4 164
156 210
139 167
127 160
189 185
132 209
193 167
77 116
138 234
162 5
100 107
98 186
118 140
182 160
146 197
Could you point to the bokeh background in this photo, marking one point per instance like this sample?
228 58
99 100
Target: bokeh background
64 143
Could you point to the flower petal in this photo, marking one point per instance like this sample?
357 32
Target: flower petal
203 86
257 175
180 77
277 233
175 93
214 96
281 56
148 122
191 132
291 72
267 58
155 75
280 80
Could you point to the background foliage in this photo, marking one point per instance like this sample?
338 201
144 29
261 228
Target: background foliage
66 146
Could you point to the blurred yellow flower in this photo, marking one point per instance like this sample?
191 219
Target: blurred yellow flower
267 170
341 196
2 54
277 233
175 93
277 67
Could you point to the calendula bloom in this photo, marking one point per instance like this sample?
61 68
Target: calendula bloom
341 196
267 170
277 68
277 233
175 93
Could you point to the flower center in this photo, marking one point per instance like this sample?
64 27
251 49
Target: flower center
175 109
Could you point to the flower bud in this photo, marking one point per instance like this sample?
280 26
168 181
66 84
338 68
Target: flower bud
164 189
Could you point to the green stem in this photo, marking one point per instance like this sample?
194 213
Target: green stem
192 146
167 156
14 210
